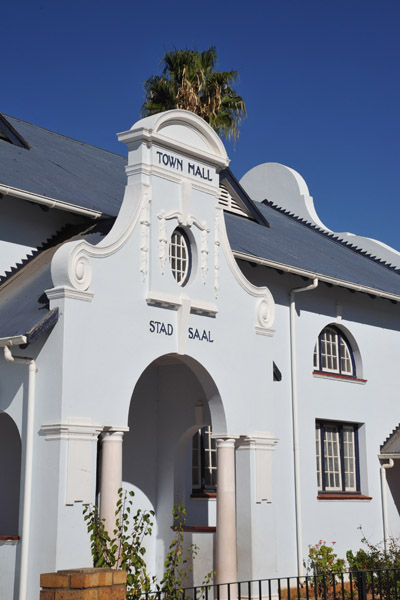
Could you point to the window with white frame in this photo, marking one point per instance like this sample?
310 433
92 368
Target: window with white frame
180 256
333 354
204 461
337 457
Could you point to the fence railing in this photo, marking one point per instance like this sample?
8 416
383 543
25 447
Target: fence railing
359 585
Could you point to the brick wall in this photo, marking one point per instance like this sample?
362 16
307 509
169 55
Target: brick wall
83 584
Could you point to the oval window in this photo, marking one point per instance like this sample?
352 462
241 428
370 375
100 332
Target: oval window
180 256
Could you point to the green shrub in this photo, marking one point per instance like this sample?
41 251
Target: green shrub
369 561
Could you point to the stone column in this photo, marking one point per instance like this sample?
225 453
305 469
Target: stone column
111 476
226 561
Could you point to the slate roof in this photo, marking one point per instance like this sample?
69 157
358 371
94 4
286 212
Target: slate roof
63 169
392 443
24 306
293 242
74 172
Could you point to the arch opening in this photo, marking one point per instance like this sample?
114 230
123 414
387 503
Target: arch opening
174 398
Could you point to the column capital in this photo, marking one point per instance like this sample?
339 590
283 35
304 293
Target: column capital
225 442
113 434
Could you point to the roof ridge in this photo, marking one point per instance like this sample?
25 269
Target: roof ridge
332 235
68 137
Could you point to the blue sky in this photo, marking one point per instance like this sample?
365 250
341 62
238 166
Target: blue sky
320 79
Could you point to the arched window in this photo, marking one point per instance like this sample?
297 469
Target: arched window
333 353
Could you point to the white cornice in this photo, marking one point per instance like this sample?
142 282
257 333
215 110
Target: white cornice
68 431
165 300
68 292
148 170
151 137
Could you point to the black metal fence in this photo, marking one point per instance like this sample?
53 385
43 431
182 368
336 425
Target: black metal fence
359 585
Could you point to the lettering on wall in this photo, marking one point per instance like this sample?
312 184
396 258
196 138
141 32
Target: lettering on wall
183 166
202 335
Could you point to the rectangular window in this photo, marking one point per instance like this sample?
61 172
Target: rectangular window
337 457
204 461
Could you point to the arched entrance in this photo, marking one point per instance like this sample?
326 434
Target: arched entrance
173 399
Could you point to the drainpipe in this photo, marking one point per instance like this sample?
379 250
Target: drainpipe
386 538
293 370
26 518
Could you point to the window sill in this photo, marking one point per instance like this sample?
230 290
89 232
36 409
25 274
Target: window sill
342 496
203 494
9 538
338 377
196 529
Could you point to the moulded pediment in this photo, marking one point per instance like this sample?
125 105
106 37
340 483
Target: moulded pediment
181 128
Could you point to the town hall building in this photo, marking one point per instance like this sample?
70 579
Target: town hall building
194 339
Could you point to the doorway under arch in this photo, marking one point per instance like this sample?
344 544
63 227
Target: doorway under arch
174 397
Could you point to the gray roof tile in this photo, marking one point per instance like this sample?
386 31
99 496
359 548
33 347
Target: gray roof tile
291 242
64 169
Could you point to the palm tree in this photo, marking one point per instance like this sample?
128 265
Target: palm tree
189 81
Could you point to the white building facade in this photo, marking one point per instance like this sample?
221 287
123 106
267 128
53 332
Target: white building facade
197 341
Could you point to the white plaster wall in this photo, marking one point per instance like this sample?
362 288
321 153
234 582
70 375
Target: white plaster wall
372 322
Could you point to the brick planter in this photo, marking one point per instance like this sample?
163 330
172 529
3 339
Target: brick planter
83 584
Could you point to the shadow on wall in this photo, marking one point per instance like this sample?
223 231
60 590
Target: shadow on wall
393 480
10 475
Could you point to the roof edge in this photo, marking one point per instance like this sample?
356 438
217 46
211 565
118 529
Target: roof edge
312 274
15 340
7 190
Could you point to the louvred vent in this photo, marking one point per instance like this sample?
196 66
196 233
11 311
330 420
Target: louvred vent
230 204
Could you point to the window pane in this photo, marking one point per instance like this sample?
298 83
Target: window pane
346 365
196 470
210 458
349 458
332 474
318 454
328 340
204 460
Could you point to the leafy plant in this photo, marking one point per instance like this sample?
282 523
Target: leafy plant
189 81
324 564
126 549
374 557
322 560
370 561
179 561
100 541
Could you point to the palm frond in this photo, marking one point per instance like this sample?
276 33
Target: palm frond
189 81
